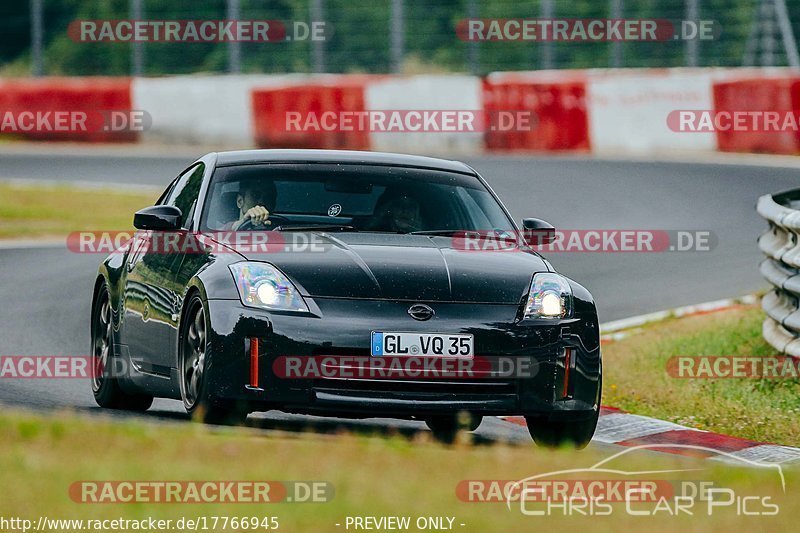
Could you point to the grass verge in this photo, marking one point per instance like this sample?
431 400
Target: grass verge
32 211
395 476
760 409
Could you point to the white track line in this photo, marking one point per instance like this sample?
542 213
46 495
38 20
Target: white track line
640 320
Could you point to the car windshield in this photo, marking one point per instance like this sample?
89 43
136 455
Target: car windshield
351 198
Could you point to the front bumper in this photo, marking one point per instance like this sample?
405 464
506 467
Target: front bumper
555 385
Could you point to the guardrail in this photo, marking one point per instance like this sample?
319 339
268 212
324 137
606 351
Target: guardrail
781 244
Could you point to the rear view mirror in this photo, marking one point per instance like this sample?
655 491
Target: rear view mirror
348 186
538 232
158 218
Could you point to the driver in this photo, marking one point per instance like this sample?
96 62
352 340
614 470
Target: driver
397 211
254 201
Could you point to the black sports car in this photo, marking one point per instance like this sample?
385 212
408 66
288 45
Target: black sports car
351 260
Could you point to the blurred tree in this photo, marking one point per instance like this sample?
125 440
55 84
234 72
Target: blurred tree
359 40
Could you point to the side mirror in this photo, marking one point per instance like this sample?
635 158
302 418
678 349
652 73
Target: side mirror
158 218
538 232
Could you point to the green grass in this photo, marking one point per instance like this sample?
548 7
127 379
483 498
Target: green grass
42 456
760 409
32 211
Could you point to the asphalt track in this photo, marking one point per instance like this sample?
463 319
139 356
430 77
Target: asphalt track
45 292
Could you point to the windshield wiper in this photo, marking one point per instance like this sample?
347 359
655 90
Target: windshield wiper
483 234
441 232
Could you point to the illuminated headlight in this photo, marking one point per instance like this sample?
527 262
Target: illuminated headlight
550 297
264 286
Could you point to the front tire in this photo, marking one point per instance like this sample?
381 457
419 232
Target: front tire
105 386
446 427
194 356
575 433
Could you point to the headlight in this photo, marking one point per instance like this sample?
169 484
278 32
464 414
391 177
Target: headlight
263 286
550 297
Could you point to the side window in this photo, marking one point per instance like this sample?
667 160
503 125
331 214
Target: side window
476 216
186 191
162 200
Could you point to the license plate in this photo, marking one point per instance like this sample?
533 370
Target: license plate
421 344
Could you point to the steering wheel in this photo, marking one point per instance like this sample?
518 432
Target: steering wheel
248 224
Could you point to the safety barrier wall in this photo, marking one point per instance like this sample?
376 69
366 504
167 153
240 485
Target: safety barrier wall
273 129
603 111
426 92
48 98
781 268
213 110
557 102
761 94
628 109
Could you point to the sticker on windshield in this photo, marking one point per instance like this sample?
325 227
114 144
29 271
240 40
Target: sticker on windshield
334 210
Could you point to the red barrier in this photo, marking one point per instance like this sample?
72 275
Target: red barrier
55 106
558 108
781 95
270 108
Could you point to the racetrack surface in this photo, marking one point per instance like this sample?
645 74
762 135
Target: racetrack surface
46 291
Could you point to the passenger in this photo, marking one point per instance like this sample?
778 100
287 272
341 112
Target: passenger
397 211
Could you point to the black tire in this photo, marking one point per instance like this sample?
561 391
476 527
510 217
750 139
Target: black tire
194 354
446 427
577 434
574 433
105 387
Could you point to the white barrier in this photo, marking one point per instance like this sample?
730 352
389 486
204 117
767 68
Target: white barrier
425 93
627 108
628 112
214 110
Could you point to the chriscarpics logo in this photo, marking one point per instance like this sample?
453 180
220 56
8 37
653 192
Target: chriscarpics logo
608 488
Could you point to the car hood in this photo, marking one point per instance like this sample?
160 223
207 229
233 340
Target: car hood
404 267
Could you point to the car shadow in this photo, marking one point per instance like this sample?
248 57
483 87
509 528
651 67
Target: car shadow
297 424
384 428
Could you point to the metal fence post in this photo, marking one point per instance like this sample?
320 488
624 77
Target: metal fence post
137 48
692 50
234 47
787 34
397 35
317 9
547 11
768 35
615 60
473 51
37 37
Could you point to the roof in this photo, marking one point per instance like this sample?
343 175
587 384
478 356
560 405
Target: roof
241 157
